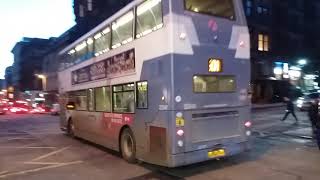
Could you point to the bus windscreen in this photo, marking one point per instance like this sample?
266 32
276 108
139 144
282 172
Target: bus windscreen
220 8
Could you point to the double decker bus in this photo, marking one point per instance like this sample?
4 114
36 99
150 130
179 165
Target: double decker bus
162 81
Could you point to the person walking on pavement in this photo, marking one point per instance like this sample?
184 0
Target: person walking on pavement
290 109
313 115
317 125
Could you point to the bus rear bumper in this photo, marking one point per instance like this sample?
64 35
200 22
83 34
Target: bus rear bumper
202 155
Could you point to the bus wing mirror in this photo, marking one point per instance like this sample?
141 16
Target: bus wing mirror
71 106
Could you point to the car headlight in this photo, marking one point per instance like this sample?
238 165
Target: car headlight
299 102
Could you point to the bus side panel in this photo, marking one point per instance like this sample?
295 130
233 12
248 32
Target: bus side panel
152 124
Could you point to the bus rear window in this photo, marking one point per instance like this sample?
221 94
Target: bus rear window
214 84
221 8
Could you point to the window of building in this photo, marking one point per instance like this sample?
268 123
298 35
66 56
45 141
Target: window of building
248 7
221 8
259 10
81 100
262 10
81 10
123 98
90 100
214 84
263 42
149 17
102 42
89 5
103 99
142 95
122 30
265 11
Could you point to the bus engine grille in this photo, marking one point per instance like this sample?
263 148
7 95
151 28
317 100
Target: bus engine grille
215 125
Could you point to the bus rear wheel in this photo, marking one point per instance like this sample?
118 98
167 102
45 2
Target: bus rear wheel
71 129
128 146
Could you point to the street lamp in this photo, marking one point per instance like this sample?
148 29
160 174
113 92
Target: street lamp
44 80
302 62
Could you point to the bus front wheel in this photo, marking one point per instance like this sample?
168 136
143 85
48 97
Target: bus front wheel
128 146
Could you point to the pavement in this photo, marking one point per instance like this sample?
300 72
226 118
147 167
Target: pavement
264 106
33 148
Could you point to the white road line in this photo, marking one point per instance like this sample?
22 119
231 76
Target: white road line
44 133
7 133
50 154
26 147
42 163
3 172
39 169
11 139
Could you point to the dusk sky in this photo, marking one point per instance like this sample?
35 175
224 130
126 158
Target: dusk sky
31 18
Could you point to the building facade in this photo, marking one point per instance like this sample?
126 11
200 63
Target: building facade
279 35
9 76
2 84
90 13
28 59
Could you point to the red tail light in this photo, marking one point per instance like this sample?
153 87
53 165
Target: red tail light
180 132
248 124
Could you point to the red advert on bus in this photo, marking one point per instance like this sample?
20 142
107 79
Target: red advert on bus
118 119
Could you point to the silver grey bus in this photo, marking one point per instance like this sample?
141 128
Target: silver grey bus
162 81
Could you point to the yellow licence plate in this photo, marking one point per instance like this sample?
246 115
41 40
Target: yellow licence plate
216 153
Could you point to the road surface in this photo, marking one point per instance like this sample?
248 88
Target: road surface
33 148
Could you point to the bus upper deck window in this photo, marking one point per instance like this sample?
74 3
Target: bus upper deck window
220 8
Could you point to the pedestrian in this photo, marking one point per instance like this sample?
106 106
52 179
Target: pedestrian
317 126
313 115
290 109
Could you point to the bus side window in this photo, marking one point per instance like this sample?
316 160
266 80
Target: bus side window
81 100
142 95
149 17
90 98
103 99
123 98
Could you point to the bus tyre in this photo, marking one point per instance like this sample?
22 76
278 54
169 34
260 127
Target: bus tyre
71 129
128 146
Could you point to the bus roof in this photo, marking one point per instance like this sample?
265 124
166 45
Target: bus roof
102 25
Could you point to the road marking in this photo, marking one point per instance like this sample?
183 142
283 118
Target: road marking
22 138
50 154
3 172
42 163
8 133
26 147
39 169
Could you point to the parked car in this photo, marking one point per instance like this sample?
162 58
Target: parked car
3 108
55 110
304 102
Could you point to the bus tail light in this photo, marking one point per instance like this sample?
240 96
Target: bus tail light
248 124
248 133
180 132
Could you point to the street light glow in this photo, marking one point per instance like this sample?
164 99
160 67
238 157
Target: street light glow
40 76
302 62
